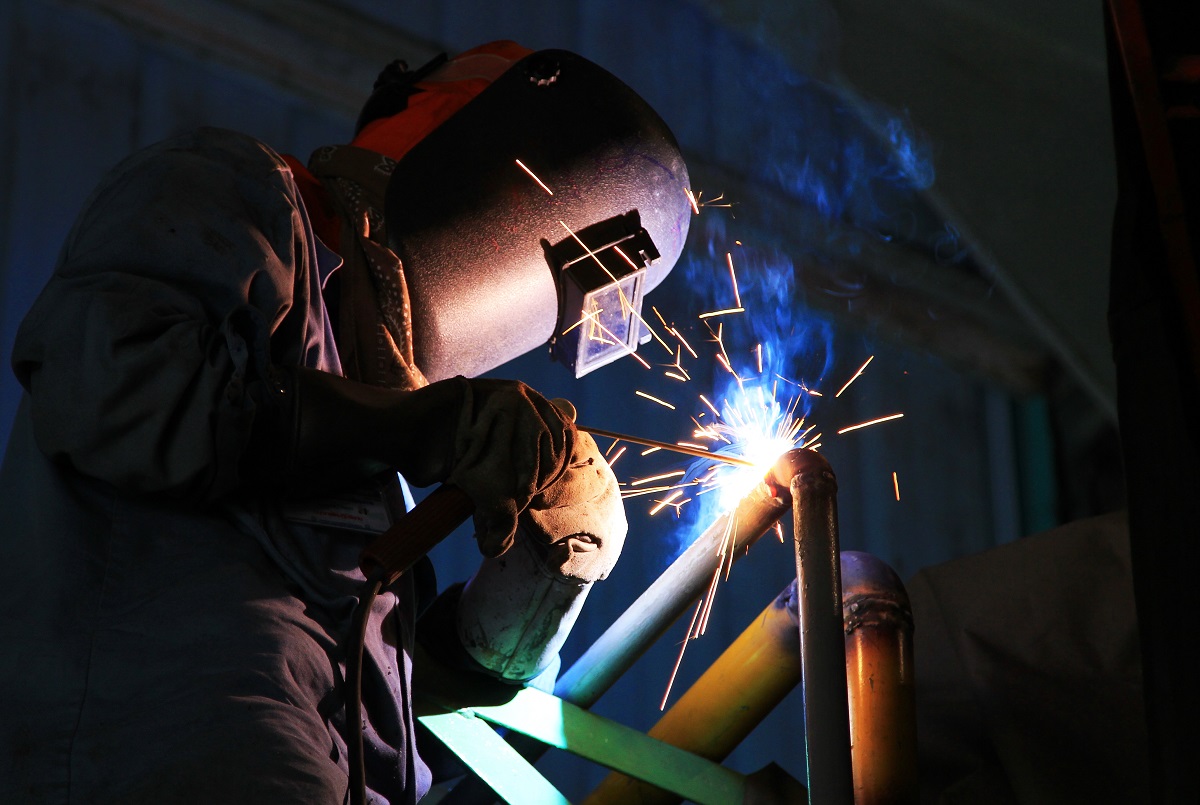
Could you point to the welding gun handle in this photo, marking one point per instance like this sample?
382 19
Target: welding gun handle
416 533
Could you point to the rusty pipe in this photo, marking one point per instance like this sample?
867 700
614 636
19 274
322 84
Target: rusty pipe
680 585
878 626
822 646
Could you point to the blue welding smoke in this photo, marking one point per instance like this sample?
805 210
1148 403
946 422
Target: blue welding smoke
858 171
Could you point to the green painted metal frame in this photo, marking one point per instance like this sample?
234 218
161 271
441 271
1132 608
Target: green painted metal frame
565 726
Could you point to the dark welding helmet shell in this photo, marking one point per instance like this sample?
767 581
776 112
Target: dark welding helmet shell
474 230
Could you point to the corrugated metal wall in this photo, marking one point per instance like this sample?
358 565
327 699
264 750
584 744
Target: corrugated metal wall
82 90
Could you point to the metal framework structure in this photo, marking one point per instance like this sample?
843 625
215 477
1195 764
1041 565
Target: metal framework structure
843 631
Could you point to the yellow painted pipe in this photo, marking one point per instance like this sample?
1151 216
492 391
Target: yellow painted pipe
726 703
758 670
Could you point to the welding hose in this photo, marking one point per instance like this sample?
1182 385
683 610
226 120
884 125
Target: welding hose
383 562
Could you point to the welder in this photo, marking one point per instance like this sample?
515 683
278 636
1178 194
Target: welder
236 355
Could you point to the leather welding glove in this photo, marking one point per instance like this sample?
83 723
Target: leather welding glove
580 518
499 441
510 619
511 445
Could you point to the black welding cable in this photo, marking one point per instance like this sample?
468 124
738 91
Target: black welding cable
354 721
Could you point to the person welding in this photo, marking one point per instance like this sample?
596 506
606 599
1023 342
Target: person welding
236 355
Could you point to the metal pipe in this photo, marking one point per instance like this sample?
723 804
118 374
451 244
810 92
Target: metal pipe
822 646
878 627
681 584
737 691
759 669
649 617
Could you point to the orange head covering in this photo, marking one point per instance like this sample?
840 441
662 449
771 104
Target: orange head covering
436 98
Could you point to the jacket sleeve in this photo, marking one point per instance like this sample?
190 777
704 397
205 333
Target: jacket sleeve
189 272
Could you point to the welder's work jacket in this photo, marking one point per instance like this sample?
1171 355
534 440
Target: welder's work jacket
166 635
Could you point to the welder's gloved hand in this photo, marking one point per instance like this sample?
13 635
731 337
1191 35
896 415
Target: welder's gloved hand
514 614
498 440
580 518
512 445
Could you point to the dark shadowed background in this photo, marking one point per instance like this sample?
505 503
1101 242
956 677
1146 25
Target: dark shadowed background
929 183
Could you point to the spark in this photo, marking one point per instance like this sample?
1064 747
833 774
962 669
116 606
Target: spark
679 659
637 358
856 374
651 491
587 316
613 460
622 344
651 450
871 422
677 371
758 354
652 398
701 203
625 257
678 335
692 200
779 530
662 504
673 331
801 386
896 484
683 341
533 176
723 358
625 304
724 312
702 626
737 297
694 446
661 477
759 428
627 307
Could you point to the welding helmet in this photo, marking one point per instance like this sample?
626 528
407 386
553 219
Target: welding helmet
540 212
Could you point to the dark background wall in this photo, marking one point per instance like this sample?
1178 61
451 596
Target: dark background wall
980 293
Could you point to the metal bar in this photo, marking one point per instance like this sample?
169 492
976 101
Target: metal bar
822 646
562 725
680 585
878 625
509 775
726 703
651 615
678 448
759 668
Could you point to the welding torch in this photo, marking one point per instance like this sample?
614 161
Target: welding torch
447 507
